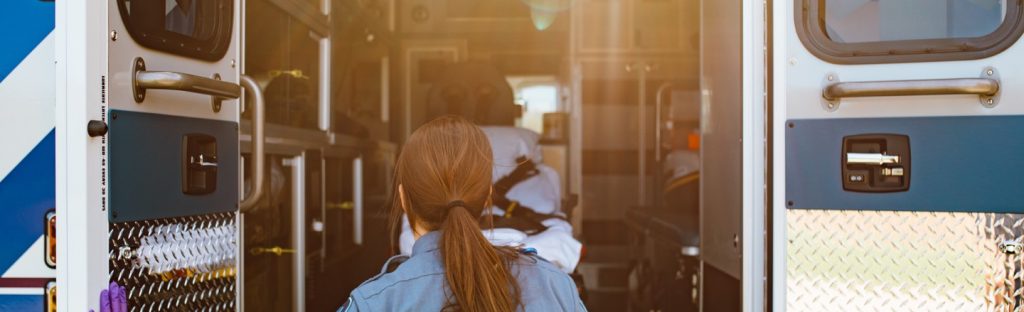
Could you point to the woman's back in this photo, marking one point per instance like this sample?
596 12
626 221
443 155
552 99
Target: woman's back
443 184
418 284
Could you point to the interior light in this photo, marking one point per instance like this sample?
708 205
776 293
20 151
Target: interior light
544 12
542 19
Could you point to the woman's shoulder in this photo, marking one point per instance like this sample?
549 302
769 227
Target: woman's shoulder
534 262
542 284
400 277
532 267
399 270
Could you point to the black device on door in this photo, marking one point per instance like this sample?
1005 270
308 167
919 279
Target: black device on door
198 164
875 163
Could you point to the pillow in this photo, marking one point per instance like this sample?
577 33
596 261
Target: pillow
509 143
542 193
680 163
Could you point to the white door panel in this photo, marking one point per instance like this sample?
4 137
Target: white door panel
944 242
147 177
805 76
124 50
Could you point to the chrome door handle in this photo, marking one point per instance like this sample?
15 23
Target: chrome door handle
976 86
876 159
143 80
986 88
259 158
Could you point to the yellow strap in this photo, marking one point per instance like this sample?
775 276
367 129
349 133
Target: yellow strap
511 206
683 180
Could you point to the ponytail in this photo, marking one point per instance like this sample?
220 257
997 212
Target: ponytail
443 182
478 273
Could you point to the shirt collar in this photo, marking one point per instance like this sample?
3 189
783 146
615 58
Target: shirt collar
427 242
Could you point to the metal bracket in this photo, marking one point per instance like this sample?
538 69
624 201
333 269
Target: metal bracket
138 92
216 100
990 101
830 105
1011 247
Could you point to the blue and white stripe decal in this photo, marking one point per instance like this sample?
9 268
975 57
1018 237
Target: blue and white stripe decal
25 196
24 24
27 159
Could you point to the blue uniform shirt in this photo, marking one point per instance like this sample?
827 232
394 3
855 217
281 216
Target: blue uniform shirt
418 284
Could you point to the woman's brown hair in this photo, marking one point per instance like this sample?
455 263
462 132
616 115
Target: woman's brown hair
444 170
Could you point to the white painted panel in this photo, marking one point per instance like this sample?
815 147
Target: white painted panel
798 80
124 50
80 58
805 77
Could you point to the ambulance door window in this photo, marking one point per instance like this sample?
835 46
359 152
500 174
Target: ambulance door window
871 31
871 21
194 28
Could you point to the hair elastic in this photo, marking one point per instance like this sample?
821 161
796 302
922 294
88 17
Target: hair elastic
456 203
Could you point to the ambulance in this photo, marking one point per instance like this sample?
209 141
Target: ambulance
670 155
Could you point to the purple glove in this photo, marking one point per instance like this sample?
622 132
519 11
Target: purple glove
113 299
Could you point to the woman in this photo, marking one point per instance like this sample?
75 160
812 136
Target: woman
443 178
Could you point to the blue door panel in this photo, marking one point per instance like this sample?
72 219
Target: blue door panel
959 164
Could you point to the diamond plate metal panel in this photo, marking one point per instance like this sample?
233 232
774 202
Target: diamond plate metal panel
176 264
844 260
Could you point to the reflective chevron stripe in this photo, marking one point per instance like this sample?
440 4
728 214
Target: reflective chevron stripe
27 159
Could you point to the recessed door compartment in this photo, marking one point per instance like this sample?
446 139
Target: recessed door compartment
876 163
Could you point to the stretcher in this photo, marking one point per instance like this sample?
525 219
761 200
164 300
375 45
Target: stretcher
666 240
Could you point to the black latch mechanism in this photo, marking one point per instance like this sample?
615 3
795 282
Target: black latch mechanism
198 164
876 163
